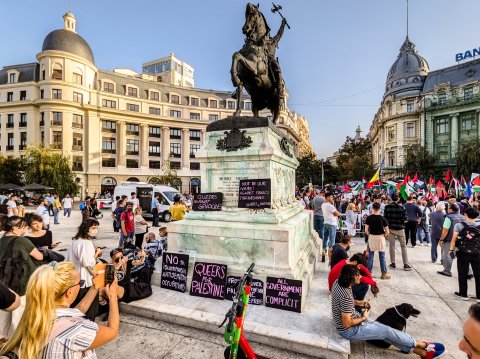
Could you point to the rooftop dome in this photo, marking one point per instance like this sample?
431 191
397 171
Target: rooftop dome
408 73
68 40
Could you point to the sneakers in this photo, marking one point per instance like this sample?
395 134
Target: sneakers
427 244
460 296
420 244
392 265
407 267
385 276
445 274
435 350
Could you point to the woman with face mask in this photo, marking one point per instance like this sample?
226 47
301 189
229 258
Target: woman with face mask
83 254
14 245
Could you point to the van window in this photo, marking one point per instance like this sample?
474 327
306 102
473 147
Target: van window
163 201
170 195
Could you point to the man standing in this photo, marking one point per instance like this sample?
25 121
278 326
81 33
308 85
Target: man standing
396 216
470 343
50 199
436 223
414 216
134 200
42 210
155 207
127 219
57 207
330 215
453 217
67 205
318 221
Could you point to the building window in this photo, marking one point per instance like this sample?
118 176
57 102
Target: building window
154 111
194 165
133 107
109 103
77 142
213 117
23 120
43 74
175 165
132 163
132 92
77 79
410 132
77 97
109 145
442 98
468 93
109 126
468 122
194 116
132 147
154 95
57 119
443 153
175 150
154 164
175 113
175 99
194 101
154 148
57 73
442 125
9 141
108 87
195 135
231 105
213 103
391 133
10 122
391 158
9 96
23 141
42 118
193 150
154 131
410 105
77 121
42 93
132 129
57 139
57 94
175 134
23 95
77 164
108 162
12 78
42 137
247 105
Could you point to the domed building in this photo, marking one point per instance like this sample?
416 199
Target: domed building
397 123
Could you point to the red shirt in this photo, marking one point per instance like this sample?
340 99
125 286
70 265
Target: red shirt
128 218
337 269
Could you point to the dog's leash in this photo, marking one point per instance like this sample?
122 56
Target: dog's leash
400 314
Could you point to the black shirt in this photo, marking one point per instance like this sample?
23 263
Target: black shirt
7 297
42 241
376 223
338 254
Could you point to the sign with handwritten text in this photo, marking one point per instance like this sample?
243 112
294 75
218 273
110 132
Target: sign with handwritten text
209 280
284 294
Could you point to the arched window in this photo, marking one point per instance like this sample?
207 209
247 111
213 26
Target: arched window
107 185
177 183
133 179
154 180
57 72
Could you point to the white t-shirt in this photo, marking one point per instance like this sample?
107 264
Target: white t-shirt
67 202
82 254
12 205
328 210
43 211
140 228
135 202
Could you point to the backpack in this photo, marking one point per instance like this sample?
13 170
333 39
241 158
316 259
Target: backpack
82 206
468 240
12 268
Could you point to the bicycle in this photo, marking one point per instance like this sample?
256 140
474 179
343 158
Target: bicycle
239 348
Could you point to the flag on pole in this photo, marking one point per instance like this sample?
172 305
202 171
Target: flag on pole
468 191
406 190
415 178
476 185
376 176
448 175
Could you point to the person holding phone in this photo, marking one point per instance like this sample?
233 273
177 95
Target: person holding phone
38 236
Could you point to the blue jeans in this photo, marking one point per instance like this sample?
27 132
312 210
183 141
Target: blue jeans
372 330
329 232
67 211
423 232
318 225
434 249
129 239
55 216
383 263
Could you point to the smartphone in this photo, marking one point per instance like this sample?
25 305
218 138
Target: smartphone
101 247
109 274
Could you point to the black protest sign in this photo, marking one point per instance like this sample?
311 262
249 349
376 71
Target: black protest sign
255 193
256 290
284 294
209 280
207 201
174 271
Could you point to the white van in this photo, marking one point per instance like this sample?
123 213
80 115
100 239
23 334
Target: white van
145 193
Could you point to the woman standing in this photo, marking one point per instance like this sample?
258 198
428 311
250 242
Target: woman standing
50 328
141 227
83 254
376 227
350 219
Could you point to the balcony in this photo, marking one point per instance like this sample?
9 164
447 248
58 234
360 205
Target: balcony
175 155
104 150
77 168
10 148
154 154
192 155
157 135
57 123
22 124
109 130
57 146
42 123
135 133
10 124
435 104
22 147
194 138
77 125
77 147
132 153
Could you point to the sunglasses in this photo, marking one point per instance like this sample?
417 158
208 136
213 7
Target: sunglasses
80 283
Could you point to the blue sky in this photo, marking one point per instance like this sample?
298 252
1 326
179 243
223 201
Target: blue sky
335 58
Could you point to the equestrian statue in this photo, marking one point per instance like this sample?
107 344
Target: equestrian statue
255 66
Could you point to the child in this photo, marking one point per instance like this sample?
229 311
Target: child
163 237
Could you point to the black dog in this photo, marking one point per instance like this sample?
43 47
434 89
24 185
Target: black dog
395 317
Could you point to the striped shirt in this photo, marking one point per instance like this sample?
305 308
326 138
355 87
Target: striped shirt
342 302
74 340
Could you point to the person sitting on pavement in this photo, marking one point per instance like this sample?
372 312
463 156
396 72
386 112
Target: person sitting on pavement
353 325
470 343
339 251
453 217
177 209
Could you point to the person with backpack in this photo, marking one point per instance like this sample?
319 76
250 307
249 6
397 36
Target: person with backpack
466 239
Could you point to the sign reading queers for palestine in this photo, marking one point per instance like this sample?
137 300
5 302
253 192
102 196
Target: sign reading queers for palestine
255 193
256 290
209 280
174 271
207 201
284 294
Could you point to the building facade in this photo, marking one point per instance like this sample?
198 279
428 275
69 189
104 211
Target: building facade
114 125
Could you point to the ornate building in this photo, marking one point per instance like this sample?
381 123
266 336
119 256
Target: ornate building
304 146
119 125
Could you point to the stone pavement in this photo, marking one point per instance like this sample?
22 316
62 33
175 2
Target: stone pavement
441 318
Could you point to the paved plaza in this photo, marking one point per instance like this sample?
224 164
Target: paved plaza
441 318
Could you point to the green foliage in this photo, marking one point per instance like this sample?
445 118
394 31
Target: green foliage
11 170
468 157
167 176
354 160
419 160
311 168
50 168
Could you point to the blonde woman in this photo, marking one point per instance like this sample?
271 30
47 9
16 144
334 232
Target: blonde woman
350 219
141 227
49 328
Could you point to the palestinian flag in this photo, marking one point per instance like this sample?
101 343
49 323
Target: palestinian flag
406 190
476 185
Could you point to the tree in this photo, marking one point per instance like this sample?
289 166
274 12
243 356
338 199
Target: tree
468 157
419 160
310 169
11 170
354 159
167 175
50 168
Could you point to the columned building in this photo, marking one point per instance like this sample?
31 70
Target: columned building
114 125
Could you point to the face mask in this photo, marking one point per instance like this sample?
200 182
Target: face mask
92 232
130 209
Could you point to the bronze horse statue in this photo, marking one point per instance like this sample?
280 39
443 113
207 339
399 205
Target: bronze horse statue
255 68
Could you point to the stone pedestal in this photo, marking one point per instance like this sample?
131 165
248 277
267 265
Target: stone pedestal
280 240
